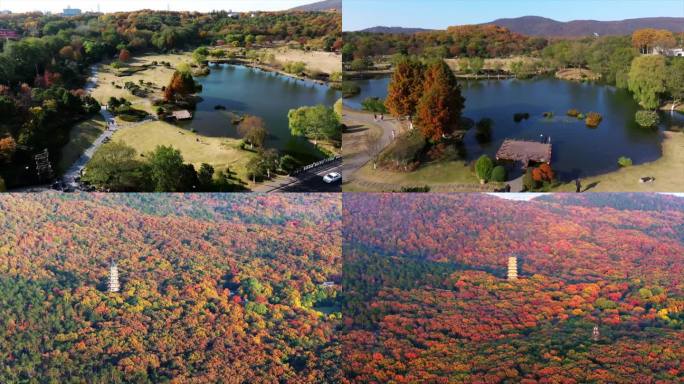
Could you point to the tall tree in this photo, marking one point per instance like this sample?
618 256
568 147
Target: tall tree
439 109
182 84
253 129
318 122
675 80
405 88
647 80
166 169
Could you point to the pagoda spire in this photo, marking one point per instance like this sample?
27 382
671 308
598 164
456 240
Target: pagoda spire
113 277
512 268
595 333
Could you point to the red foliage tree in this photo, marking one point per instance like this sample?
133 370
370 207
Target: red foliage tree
440 106
124 55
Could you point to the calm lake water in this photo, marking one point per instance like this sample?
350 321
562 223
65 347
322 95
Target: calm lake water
250 91
578 151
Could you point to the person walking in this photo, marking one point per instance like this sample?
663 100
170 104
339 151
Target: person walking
578 186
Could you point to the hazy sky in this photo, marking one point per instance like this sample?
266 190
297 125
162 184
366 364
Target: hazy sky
56 6
439 14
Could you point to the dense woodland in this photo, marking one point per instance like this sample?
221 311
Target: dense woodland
427 299
43 73
214 288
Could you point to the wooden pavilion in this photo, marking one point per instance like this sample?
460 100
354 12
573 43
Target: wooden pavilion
524 151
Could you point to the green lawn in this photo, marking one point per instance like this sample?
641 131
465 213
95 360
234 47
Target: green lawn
220 152
668 171
80 138
442 173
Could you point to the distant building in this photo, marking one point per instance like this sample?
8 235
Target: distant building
512 268
113 277
328 284
68 11
595 333
233 15
672 52
8 34
5 12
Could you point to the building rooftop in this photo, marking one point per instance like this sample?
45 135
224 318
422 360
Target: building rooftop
182 114
524 151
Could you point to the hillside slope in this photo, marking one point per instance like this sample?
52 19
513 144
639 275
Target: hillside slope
320 6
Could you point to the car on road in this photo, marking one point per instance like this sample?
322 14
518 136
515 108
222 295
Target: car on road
332 177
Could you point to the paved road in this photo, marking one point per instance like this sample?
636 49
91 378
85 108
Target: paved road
309 181
356 118
74 171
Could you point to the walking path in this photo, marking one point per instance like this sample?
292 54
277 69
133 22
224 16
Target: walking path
351 118
358 159
74 171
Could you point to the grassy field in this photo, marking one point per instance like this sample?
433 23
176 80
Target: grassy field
80 138
668 172
158 75
577 74
326 62
434 175
221 153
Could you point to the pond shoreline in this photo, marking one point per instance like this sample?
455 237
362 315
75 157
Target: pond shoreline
268 68
627 179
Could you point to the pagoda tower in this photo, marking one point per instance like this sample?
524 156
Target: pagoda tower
512 268
113 277
595 333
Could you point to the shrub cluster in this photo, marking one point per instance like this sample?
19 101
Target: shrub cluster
593 119
647 118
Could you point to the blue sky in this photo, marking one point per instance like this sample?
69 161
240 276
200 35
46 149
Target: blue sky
439 14
130 5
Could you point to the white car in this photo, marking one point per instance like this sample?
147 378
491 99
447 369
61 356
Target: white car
332 177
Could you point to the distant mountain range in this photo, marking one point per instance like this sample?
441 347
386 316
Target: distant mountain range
319 6
541 26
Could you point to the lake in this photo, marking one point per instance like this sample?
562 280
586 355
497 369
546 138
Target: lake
578 151
244 90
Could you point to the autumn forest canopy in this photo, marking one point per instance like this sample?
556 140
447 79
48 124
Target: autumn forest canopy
599 297
214 288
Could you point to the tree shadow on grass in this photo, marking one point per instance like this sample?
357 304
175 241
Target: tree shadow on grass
590 186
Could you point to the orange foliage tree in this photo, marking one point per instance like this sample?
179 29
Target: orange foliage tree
405 88
440 106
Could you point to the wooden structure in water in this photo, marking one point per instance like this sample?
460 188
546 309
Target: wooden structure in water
524 151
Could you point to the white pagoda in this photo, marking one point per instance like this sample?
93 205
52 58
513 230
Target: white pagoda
512 268
113 277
